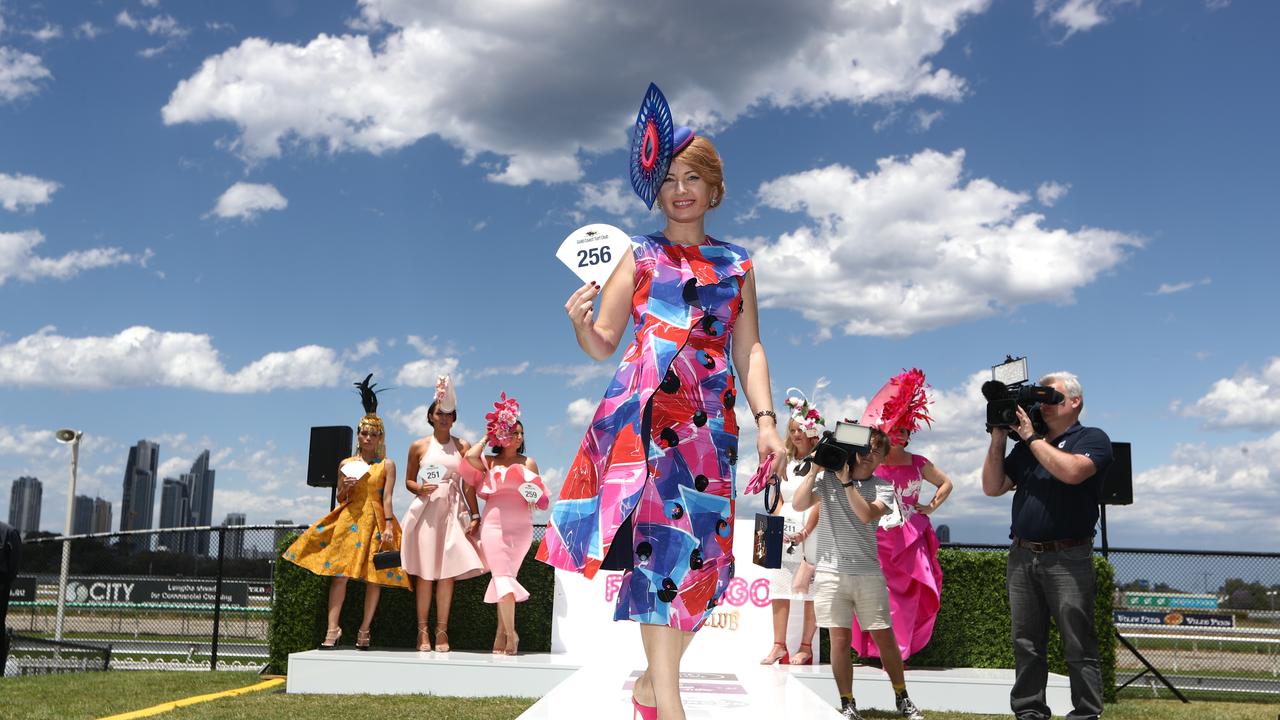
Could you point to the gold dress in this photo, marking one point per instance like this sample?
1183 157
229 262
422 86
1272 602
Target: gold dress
343 542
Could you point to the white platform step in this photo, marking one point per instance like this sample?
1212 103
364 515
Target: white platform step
572 687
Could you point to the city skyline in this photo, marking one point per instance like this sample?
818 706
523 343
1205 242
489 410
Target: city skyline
25 500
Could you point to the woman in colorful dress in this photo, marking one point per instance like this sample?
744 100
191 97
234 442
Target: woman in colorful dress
443 522
651 490
342 543
908 547
511 488
803 429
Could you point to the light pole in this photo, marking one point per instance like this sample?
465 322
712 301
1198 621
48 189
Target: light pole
1272 595
71 437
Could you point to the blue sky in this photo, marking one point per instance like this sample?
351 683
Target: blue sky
215 217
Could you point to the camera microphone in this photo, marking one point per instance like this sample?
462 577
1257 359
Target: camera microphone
994 390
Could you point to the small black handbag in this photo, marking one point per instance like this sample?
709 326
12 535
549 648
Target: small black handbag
767 543
386 560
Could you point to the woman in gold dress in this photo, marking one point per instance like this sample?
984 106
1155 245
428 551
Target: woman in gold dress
342 543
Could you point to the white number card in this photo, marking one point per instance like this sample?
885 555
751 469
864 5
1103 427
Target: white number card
432 474
592 251
531 492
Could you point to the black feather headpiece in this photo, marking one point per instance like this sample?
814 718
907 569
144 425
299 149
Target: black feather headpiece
368 396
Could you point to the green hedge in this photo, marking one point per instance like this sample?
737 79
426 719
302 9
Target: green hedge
298 614
973 625
972 628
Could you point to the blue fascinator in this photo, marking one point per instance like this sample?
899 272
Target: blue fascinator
654 141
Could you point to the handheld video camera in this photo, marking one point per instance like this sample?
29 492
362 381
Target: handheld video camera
842 446
1007 390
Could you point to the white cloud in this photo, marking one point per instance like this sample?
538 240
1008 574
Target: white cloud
579 374
435 361
925 119
915 245
1215 5
17 260
247 200
1049 193
1078 15
476 77
362 350
1246 400
25 192
87 29
580 412
611 196
158 25
20 74
1172 288
517 369
142 356
46 33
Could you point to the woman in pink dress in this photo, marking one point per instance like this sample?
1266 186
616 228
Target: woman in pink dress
510 486
908 547
442 525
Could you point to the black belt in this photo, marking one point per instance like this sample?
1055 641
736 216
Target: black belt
1051 545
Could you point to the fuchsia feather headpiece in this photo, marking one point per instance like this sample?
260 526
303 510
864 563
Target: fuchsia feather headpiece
500 423
900 405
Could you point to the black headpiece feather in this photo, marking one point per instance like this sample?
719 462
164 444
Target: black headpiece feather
368 396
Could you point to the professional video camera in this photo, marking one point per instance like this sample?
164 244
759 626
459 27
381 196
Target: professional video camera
842 446
1007 390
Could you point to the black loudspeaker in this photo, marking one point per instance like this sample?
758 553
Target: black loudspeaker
330 445
1117 484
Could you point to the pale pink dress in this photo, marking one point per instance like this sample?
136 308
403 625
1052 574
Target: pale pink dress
506 524
436 545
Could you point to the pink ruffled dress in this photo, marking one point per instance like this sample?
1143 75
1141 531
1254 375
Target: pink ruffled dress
909 559
506 524
436 545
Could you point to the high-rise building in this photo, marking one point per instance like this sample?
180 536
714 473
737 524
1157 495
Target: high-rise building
233 538
944 533
175 511
82 516
137 502
101 515
280 534
200 499
24 505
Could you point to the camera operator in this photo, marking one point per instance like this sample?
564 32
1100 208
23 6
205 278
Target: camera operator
1056 481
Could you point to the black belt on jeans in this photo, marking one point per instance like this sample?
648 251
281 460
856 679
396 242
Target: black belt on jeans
1051 545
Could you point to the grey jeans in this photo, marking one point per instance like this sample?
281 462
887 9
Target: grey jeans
1057 584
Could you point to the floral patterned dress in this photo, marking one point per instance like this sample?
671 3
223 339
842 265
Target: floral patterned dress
343 542
655 472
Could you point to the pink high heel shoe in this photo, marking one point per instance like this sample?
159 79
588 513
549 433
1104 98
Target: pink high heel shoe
644 712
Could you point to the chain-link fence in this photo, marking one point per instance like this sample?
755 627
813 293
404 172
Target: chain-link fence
173 599
1204 621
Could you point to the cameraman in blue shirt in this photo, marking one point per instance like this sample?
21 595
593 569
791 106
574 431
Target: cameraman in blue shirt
1056 480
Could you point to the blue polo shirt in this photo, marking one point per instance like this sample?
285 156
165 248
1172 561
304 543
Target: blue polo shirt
1045 508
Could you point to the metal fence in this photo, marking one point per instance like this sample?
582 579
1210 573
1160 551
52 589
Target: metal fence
1207 622
200 599
173 599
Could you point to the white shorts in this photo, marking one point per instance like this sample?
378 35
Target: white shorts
838 597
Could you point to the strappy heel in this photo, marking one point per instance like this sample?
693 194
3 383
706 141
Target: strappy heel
500 645
806 649
773 658
424 638
442 631
362 639
331 639
513 644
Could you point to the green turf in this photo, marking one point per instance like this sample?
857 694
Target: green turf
95 695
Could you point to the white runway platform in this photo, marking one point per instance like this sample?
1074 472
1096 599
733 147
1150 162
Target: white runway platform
570 687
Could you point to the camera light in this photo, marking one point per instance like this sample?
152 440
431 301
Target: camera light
1013 371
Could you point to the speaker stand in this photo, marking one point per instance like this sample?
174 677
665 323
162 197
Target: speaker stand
1102 518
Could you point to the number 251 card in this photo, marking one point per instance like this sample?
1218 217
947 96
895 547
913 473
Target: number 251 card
592 251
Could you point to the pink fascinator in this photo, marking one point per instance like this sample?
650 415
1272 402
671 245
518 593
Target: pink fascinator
446 400
500 423
900 405
803 411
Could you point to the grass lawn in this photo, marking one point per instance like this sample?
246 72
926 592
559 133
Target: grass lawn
95 695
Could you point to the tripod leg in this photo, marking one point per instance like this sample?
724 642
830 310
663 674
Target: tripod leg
1150 667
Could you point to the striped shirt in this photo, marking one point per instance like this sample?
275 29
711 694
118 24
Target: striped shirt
846 544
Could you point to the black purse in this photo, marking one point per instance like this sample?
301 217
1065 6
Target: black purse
767 543
386 559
